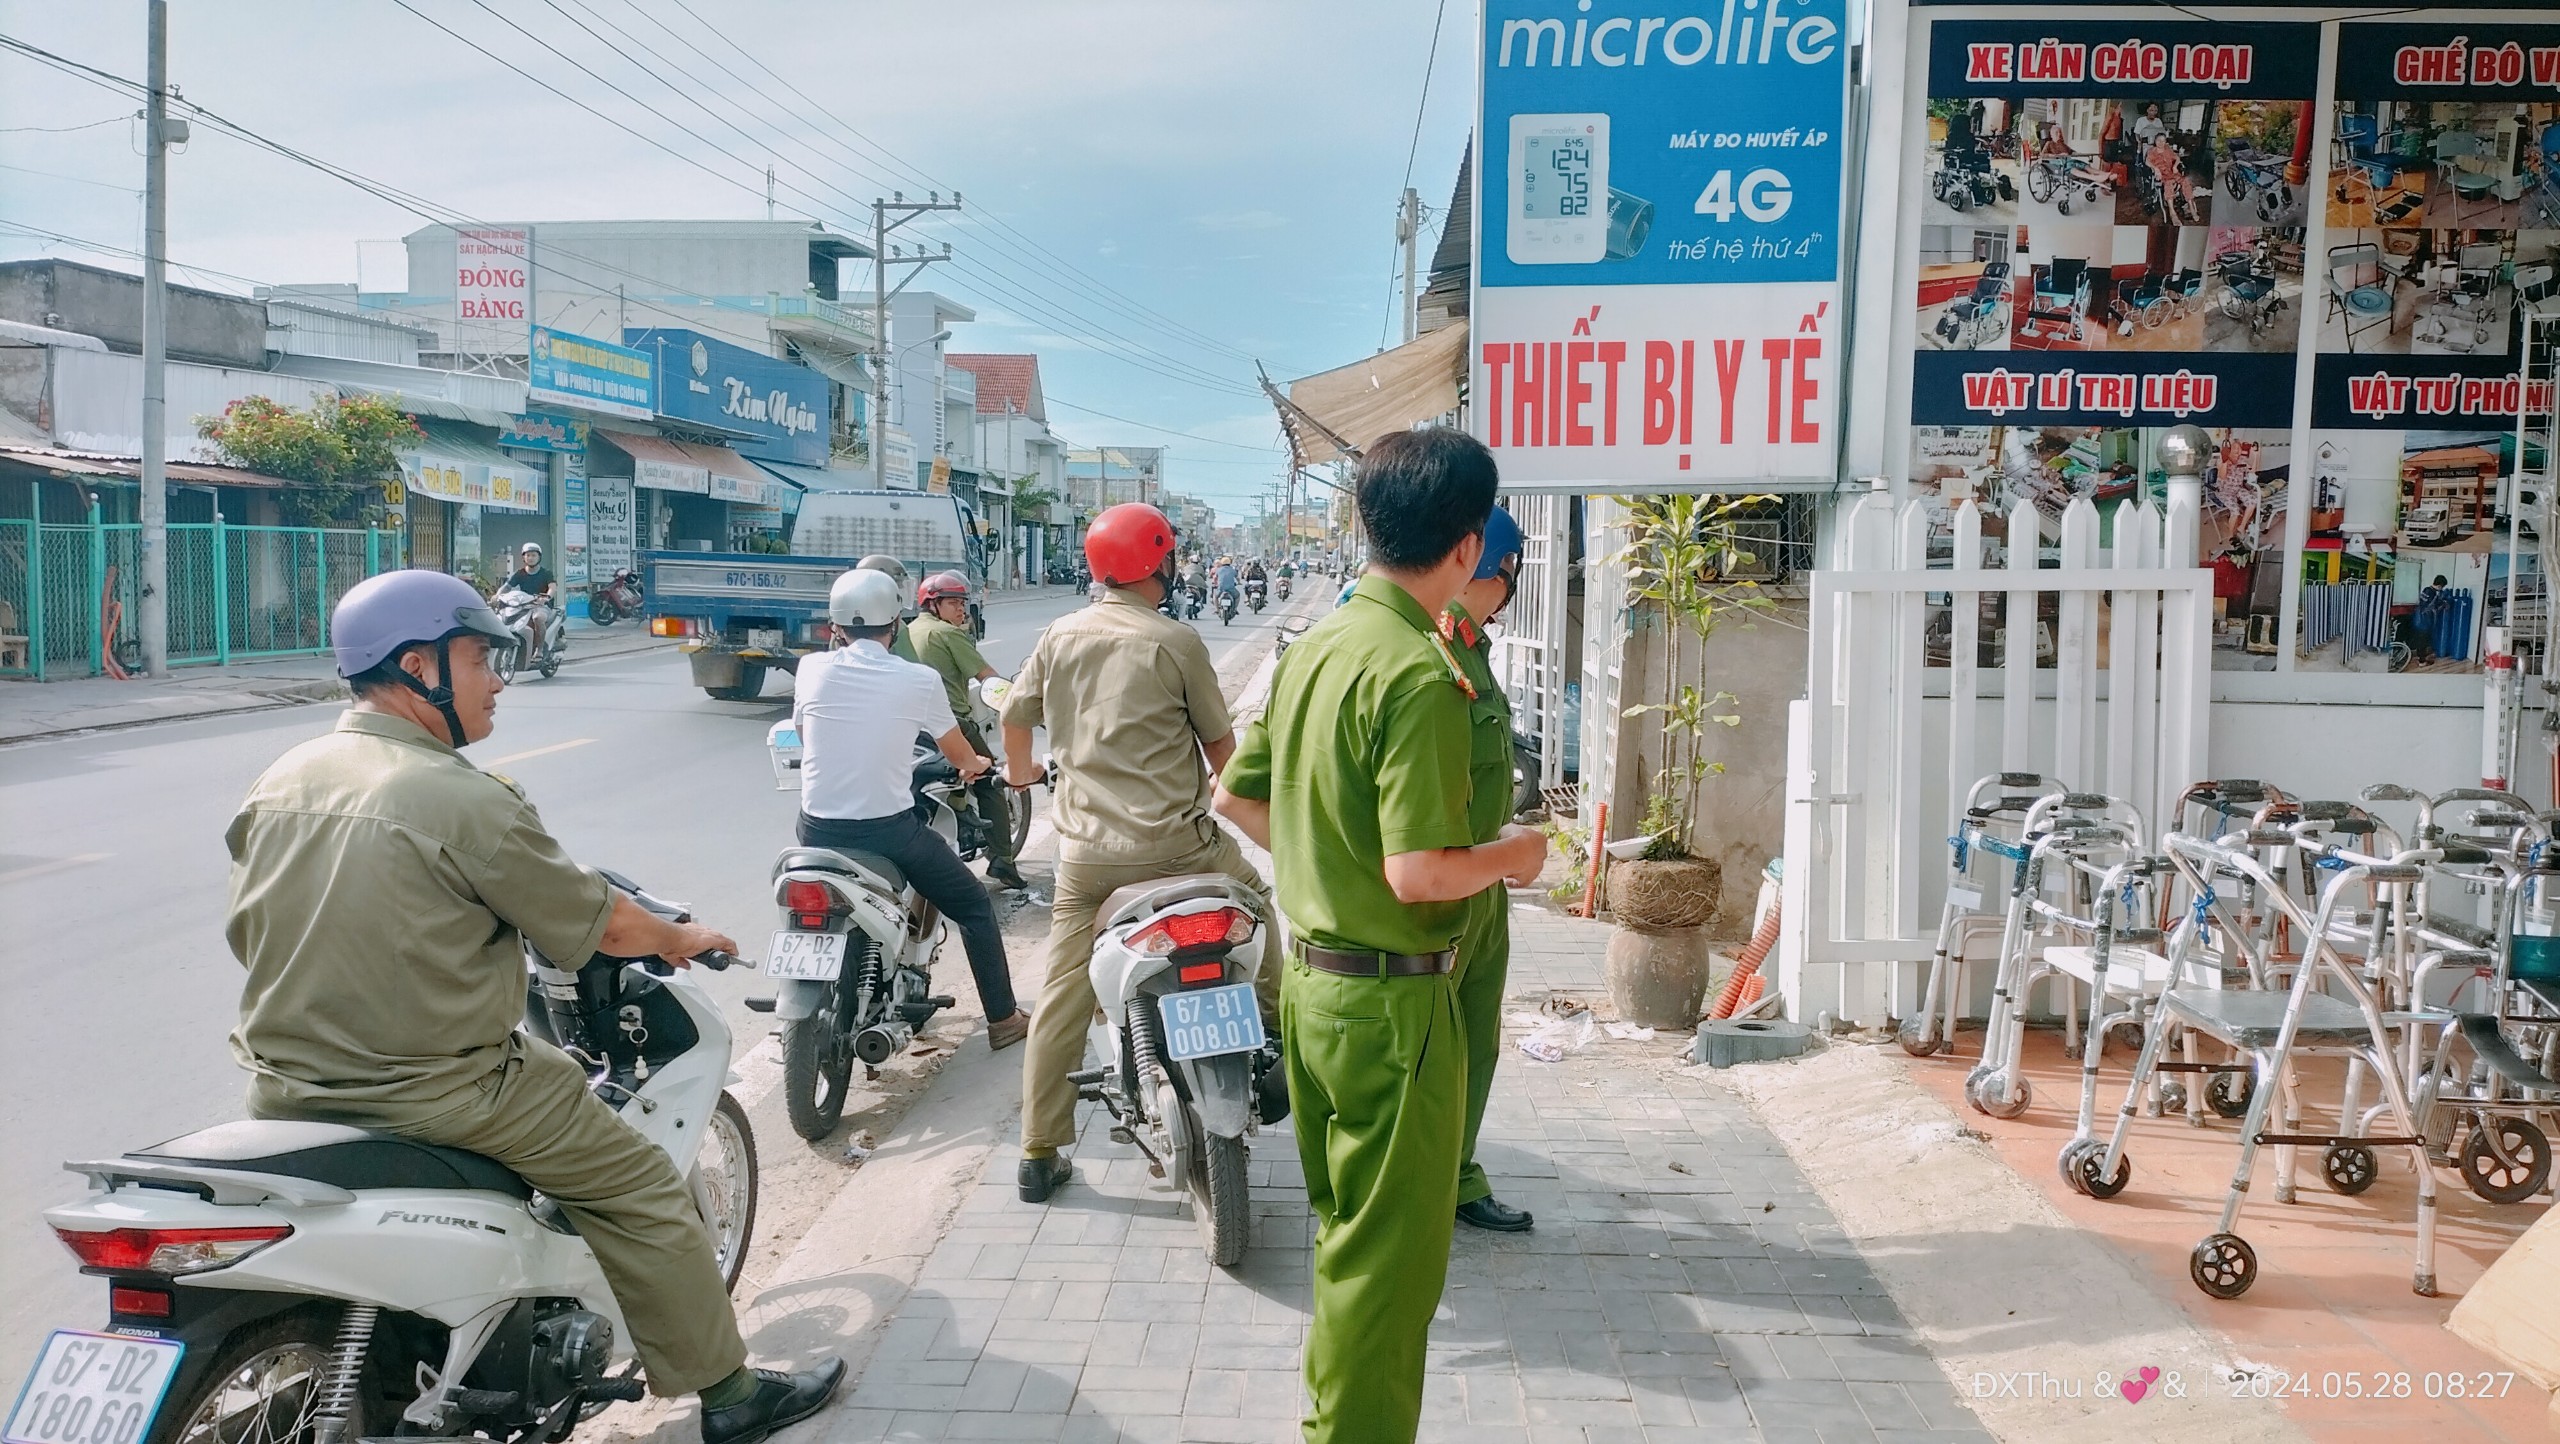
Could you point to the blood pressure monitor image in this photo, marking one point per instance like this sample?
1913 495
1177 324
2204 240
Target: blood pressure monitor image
1559 190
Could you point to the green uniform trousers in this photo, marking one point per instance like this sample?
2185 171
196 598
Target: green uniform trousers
1484 968
535 1115
1377 1089
1059 1023
989 794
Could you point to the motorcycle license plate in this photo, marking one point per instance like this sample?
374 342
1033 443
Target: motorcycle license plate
1210 1021
93 1389
808 957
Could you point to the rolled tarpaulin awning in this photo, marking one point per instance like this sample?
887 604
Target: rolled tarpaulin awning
1333 413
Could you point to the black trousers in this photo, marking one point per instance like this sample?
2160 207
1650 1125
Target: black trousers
990 794
936 872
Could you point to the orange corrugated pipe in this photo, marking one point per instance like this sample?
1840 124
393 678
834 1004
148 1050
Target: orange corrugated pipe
1597 860
1746 984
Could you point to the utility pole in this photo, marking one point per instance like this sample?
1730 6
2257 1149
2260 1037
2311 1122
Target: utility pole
1408 231
768 193
154 618
881 291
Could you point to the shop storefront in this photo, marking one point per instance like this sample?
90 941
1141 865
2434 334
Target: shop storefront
681 496
465 503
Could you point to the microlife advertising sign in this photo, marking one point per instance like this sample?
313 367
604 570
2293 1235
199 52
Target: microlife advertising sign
1657 232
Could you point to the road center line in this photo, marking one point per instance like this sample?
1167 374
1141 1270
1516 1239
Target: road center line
521 756
60 864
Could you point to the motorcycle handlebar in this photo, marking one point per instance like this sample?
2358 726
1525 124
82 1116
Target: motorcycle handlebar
718 959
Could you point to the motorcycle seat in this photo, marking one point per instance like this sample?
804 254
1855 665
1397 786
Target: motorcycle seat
335 1153
838 860
1192 884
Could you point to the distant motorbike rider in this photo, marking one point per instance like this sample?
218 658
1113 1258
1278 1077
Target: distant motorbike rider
942 642
534 579
381 891
1225 577
859 711
1138 726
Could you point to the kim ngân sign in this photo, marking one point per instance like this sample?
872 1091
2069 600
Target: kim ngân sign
778 410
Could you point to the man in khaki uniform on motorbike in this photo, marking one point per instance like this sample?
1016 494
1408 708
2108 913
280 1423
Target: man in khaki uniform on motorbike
382 889
1138 729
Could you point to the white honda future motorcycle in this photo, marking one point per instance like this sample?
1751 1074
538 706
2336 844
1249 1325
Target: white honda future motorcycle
311 1283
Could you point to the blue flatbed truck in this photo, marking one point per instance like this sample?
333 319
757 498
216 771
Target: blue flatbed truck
739 615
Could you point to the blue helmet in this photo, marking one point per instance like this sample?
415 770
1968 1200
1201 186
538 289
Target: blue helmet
1501 539
380 615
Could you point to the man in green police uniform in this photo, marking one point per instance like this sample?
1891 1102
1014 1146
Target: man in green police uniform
381 888
940 636
1356 778
1484 952
902 644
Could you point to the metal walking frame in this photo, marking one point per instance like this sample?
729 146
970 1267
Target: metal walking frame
1983 829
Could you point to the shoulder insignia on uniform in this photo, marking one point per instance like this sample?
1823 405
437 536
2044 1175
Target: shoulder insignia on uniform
503 780
1456 628
1457 673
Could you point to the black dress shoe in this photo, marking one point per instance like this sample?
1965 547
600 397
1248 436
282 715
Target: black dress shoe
1037 1178
1495 1216
779 1399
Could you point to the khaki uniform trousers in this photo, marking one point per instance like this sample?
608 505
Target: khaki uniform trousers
535 1115
1059 1023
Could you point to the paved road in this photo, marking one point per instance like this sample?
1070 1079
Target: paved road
117 980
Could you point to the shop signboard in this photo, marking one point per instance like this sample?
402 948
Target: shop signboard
492 285
591 375
542 431
736 486
1657 231
573 521
776 410
609 525
471 480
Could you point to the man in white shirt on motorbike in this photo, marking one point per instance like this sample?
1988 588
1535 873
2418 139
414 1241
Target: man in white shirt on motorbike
859 711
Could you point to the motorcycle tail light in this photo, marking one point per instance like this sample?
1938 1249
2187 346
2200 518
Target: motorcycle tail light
808 903
670 627
168 1250
1182 932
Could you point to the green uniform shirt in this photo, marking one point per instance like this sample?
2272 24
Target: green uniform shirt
951 651
1128 695
902 642
1362 753
1490 787
379 887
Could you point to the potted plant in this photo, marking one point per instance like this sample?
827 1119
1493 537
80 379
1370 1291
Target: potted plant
1662 894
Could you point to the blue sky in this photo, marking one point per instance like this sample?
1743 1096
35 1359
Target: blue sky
1157 185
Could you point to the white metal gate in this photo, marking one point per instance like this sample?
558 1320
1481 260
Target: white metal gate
1870 800
1530 658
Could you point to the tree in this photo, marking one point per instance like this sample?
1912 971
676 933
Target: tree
1030 498
338 454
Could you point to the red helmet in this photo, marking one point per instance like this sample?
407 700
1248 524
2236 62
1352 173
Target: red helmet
1127 543
939 586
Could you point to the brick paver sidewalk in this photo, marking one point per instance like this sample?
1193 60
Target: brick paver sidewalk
1683 1283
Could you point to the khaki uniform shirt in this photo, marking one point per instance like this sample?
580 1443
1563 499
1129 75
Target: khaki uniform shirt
1363 753
951 651
1128 695
379 886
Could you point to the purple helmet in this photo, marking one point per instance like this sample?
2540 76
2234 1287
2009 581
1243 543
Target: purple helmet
380 615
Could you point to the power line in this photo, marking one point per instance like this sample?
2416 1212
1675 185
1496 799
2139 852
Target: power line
1430 63
1151 426
1182 374
64 129
74 179
1030 248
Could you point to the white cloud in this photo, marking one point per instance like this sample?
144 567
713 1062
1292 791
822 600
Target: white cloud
1252 220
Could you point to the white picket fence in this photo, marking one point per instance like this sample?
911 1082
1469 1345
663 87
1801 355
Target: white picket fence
1877 767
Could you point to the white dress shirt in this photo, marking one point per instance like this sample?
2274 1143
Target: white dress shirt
859 710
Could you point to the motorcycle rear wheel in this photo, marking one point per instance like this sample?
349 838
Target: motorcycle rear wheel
602 612
817 1071
1219 1199
1017 816
508 661
263 1387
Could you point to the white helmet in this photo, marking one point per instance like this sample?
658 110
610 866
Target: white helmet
864 599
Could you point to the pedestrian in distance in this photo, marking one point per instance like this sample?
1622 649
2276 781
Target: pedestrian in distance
1357 777
1138 729
1484 952
382 889
859 711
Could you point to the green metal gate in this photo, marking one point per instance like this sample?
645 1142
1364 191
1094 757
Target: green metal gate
235 592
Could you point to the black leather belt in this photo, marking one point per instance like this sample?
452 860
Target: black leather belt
1377 965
